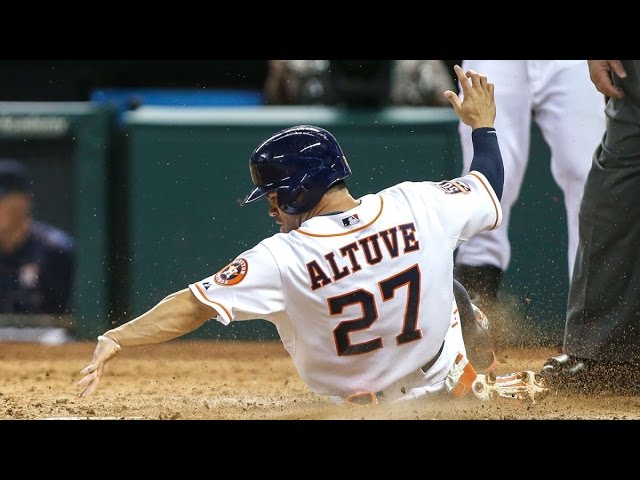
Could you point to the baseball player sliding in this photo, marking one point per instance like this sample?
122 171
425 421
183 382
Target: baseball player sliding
360 290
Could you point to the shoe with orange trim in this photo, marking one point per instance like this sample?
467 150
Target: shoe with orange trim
525 386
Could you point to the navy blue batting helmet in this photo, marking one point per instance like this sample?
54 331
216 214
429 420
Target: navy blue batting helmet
300 163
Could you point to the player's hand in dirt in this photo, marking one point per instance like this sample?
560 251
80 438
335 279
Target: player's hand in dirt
478 107
106 349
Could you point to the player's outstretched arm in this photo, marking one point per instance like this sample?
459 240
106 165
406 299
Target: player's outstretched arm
478 110
176 315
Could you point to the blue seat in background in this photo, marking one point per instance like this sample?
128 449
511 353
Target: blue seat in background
124 99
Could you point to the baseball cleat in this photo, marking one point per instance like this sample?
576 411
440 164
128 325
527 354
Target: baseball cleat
524 386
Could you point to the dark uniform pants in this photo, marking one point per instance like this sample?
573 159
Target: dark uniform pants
603 315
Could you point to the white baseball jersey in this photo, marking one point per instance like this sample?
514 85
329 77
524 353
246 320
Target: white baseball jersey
362 299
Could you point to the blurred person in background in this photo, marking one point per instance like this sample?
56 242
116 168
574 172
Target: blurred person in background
358 82
36 259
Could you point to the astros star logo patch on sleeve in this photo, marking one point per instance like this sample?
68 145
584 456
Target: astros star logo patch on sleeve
233 273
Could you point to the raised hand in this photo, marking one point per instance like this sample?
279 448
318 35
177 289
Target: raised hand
478 107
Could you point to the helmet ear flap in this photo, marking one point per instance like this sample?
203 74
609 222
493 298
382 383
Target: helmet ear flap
300 199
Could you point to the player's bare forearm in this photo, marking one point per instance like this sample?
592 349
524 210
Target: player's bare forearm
176 315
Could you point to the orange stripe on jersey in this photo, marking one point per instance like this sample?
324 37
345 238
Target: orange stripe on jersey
491 196
347 232
211 301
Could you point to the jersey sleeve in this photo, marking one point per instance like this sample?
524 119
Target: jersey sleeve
464 206
250 287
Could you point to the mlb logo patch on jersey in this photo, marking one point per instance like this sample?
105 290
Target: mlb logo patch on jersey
233 273
451 186
351 220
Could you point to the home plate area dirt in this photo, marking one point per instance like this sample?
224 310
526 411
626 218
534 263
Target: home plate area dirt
244 381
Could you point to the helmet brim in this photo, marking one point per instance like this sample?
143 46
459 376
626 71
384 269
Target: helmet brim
255 194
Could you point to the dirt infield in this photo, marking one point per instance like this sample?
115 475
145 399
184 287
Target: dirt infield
241 380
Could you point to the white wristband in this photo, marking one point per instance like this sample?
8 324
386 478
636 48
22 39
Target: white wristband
116 345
